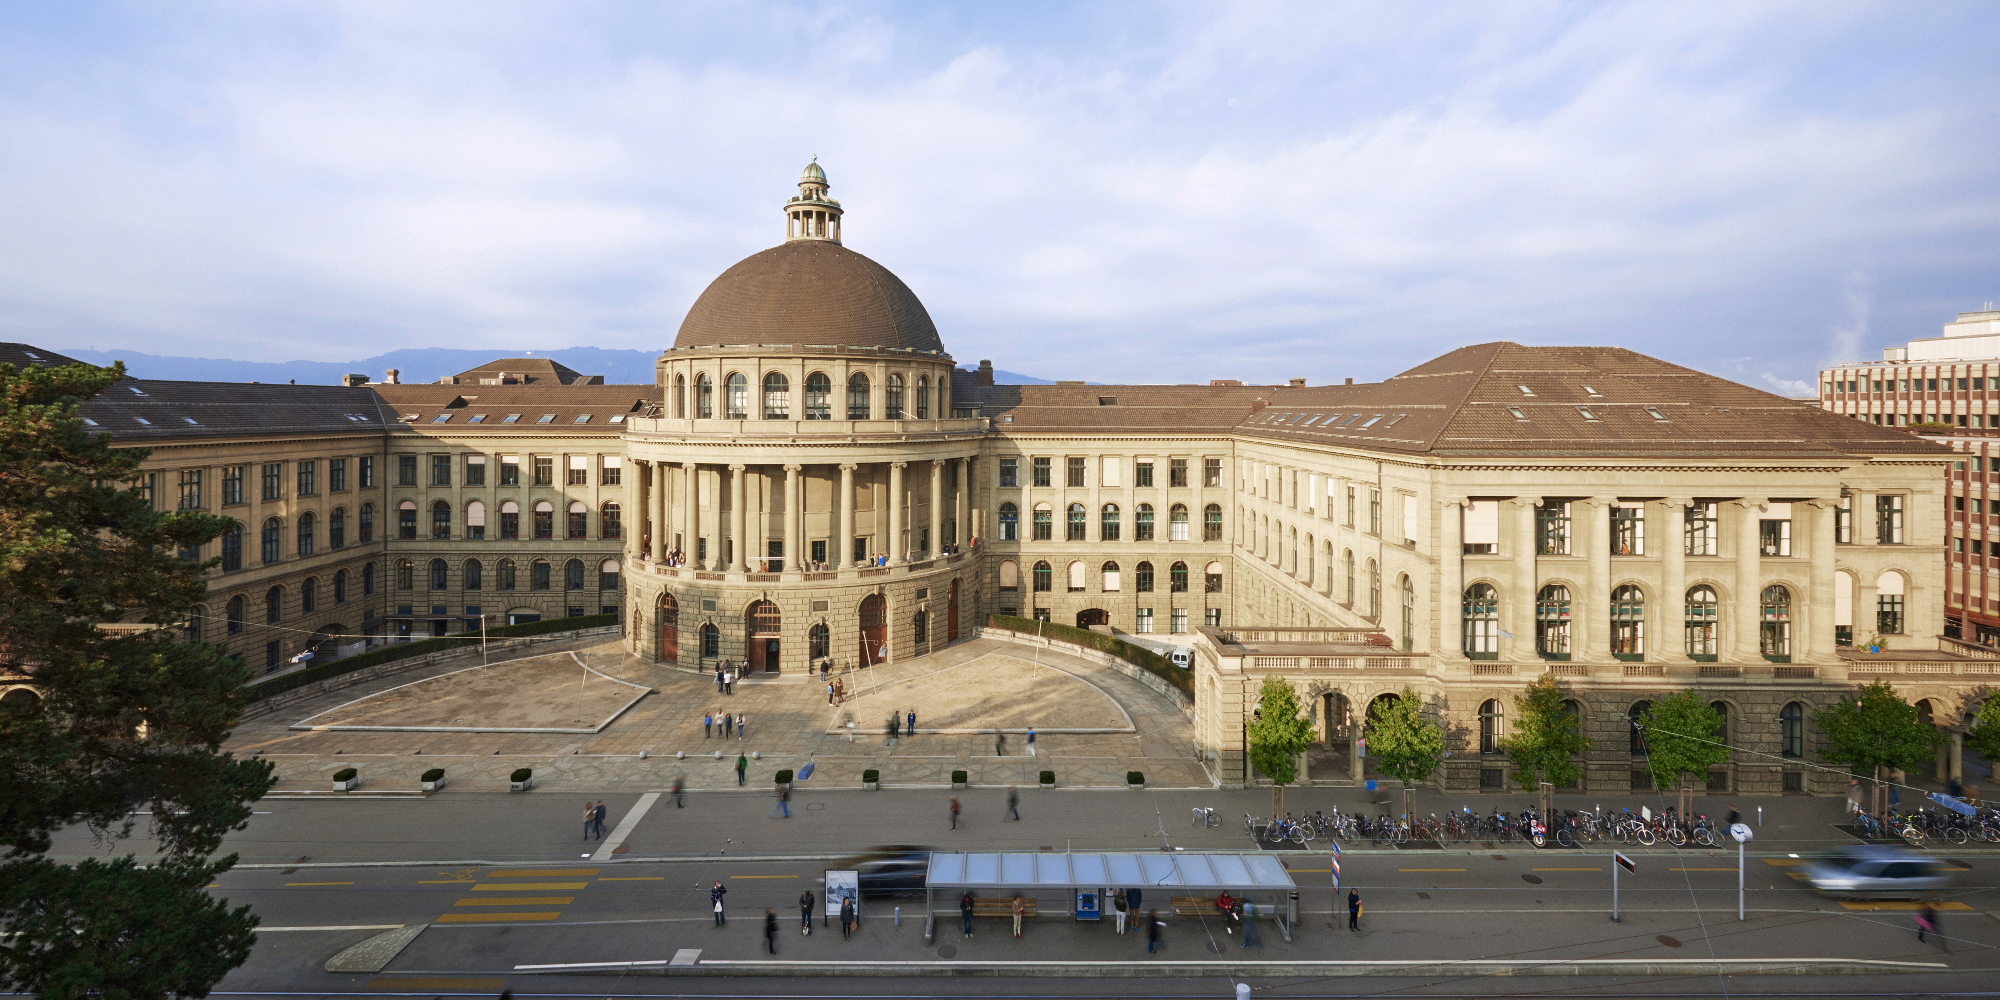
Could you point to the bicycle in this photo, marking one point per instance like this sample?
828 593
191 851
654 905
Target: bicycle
1205 817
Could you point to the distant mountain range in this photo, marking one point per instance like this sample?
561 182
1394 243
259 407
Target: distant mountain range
427 364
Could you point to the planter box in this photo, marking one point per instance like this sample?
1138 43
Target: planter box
520 786
432 786
871 785
958 784
1046 785
784 786
341 786
1137 786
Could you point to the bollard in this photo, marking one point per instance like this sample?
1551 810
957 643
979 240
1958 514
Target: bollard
642 755
899 916
1292 907
1242 991
1760 815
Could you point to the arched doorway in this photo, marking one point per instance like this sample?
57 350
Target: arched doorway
951 613
874 630
1092 616
667 618
761 630
22 700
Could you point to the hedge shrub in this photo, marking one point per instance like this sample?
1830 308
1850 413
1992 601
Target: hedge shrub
345 774
871 775
1135 777
521 774
1048 777
958 777
783 777
423 647
1180 678
434 774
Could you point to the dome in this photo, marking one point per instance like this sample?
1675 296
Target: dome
813 172
809 292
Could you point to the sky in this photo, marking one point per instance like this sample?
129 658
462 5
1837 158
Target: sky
1122 192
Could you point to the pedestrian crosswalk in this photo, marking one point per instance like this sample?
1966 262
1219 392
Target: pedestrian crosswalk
516 880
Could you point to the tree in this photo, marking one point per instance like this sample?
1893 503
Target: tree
1278 734
1680 738
126 719
1406 746
1984 736
1876 728
1545 740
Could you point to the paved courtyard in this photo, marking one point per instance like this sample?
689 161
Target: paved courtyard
1093 725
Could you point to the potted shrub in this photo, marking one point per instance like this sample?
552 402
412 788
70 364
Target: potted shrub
783 779
433 779
521 780
1048 779
871 779
344 779
1135 779
958 779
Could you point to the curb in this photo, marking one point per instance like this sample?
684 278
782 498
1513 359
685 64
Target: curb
1243 970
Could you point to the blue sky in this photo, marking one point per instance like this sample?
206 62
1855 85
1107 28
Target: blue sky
1150 192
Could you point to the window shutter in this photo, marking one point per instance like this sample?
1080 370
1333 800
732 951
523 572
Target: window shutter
1410 522
1110 472
1482 522
475 514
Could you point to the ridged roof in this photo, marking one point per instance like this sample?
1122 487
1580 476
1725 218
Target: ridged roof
809 292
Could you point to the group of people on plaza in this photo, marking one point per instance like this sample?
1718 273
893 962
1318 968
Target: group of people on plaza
722 722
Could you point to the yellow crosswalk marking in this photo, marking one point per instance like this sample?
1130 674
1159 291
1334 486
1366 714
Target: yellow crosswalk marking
479 918
541 872
517 901
1902 906
535 886
318 883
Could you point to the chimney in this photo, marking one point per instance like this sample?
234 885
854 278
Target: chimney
394 377
985 374
1258 405
352 381
1297 383
1350 381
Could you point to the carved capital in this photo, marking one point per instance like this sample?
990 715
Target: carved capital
794 468
736 468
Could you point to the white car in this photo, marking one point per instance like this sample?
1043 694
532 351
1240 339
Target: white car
1182 659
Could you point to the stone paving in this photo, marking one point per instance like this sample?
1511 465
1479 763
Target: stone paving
1135 729
556 692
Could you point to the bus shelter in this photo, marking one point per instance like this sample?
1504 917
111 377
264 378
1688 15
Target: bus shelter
1079 885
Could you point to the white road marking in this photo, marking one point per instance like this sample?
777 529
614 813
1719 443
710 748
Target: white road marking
625 826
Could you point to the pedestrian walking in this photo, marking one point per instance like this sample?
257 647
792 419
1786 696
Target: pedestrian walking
785 802
912 727
678 783
1896 777
718 678
1153 927
742 764
806 913
715 902
1020 910
589 818
728 722
999 743
729 681
1031 741
954 812
739 725
707 724
1354 909
1853 795
894 721
1927 920
840 691
965 911
1118 906
825 665
1251 939
597 816
847 915
829 690
1133 896
771 930
1013 802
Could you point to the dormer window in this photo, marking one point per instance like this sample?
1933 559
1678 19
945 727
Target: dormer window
1654 412
1350 420
1394 420
135 390
1516 411
1587 415
1525 391
442 418
1593 393
1370 422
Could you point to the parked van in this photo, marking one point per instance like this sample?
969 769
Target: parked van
1182 659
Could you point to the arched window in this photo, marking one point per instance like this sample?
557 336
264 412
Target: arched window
1307 576
1010 575
1490 718
274 605
920 631
440 575
607 575
309 595
406 520
1177 523
196 620
406 574
232 548
1044 522
236 616
819 639
1482 622
475 577
1628 623
441 520
1635 716
777 396
1409 592
1078 523
273 539
612 520
1212 578
1702 623
579 519
573 575
711 641
1721 734
308 525
545 519
503 576
510 519
1374 591
538 575
1889 603
1142 578
857 397
680 397
1107 523
1108 577
1044 575
1010 522
892 406
704 397
368 579
367 523
1574 710
819 396
1347 558
1792 730
1076 572
1142 524
336 528
1774 624
1326 552
923 398
1177 578
1552 622
475 519
1293 553
340 586
1211 523
737 400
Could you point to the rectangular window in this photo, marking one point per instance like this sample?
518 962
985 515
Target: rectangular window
1211 473
475 470
1142 524
406 470
367 472
308 481
1701 529
274 480
1889 614
336 475
1412 523
1178 622
613 471
1212 617
579 470
545 471
1774 531
1143 477
1074 472
1109 474
1145 622
1628 531
1044 524
1041 472
1177 471
510 470
1350 506
1889 519
1482 528
1212 583
1010 473
191 487
1374 512
1552 529
440 470
232 484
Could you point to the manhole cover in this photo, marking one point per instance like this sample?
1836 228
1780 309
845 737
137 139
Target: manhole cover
1217 947
621 848
948 951
1537 879
1670 942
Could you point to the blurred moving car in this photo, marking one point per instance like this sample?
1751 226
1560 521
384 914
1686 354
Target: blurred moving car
894 868
1880 872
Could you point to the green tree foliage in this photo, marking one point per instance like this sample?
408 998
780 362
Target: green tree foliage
126 720
1545 738
1278 733
1877 728
1984 736
1680 738
1405 745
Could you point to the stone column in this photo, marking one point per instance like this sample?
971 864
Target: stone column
1521 548
962 529
843 533
660 505
1673 581
1593 606
738 521
895 548
1749 575
1812 632
1955 765
1451 581
691 511
796 549
937 507
641 524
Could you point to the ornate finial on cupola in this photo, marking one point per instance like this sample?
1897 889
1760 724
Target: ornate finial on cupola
812 215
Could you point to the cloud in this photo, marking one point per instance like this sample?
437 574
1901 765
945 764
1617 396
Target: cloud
1789 386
